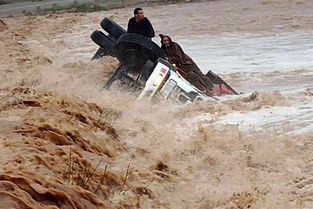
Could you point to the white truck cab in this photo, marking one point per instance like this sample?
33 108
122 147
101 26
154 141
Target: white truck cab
166 82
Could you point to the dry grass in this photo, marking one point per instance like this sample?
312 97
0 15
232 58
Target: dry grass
92 177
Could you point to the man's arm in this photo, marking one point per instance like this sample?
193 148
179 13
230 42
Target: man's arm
130 26
150 31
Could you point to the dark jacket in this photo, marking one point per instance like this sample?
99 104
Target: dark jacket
143 27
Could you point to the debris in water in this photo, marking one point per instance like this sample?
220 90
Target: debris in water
3 26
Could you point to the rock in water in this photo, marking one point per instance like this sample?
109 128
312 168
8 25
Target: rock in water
3 26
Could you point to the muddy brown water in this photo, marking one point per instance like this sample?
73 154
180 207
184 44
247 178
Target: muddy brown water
246 151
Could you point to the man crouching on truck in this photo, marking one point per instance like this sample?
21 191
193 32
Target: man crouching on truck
186 66
211 84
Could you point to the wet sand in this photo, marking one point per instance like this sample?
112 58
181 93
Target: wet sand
246 151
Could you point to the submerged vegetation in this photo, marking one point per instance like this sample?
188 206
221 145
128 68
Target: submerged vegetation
92 6
75 7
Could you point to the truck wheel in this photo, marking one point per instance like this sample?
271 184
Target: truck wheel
102 40
144 48
112 28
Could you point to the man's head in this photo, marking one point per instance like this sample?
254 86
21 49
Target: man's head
138 12
165 40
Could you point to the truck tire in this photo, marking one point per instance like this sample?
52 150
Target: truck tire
112 28
102 40
134 50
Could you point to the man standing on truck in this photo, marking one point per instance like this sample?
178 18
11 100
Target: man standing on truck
139 24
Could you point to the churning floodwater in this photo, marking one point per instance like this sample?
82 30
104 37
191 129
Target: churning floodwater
281 62
252 150
277 62
247 61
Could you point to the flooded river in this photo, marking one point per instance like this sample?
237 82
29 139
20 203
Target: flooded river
253 150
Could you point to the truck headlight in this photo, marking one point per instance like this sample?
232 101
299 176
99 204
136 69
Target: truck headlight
160 77
158 80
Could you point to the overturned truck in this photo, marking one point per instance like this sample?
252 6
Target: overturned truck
142 67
